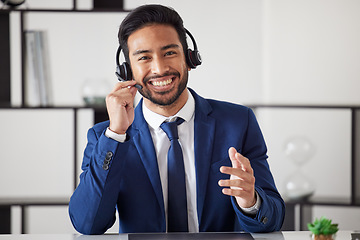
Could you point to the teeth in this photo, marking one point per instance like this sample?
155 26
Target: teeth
162 83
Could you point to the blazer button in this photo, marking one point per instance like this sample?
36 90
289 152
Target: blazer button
105 166
107 160
109 155
264 220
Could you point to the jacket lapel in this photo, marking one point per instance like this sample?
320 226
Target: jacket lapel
203 144
144 145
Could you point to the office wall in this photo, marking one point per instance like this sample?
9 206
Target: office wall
284 52
311 51
301 52
229 38
82 47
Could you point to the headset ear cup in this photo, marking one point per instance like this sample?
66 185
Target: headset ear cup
124 72
193 58
13 3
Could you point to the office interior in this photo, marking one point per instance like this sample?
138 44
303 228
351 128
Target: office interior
296 63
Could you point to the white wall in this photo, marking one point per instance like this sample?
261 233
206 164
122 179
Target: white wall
228 35
311 51
254 51
82 47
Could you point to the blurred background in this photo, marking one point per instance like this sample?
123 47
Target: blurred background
296 63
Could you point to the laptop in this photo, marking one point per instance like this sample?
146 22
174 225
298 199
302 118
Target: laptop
190 236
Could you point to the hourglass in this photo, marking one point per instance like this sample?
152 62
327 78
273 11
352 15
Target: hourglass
297 185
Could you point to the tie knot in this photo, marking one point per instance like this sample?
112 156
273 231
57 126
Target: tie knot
170 128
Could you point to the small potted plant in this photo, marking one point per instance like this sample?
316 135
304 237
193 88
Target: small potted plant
323 229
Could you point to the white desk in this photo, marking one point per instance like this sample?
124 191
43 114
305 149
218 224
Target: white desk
296 235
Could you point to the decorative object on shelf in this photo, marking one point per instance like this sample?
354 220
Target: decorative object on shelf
94 92
13 3
323 229
298 186
38 85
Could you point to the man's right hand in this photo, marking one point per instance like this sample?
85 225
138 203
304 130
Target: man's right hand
120 106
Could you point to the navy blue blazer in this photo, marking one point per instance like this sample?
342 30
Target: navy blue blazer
125 176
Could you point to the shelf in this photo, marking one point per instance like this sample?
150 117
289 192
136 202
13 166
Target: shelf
26 201
326 201
64 10
96 108
295 106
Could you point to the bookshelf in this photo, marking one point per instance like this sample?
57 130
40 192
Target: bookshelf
4 59
73 114
300 212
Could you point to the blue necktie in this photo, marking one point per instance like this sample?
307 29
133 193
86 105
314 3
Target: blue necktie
177 207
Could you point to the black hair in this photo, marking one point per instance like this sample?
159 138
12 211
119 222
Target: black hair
146 15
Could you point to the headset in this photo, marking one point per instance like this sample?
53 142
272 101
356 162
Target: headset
123 71
13 3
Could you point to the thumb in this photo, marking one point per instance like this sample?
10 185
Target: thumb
234 157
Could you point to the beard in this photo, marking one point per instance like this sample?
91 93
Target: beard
162 100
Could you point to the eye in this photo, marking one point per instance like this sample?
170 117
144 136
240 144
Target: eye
143 58
169 53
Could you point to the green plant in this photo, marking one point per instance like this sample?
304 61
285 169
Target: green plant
323 226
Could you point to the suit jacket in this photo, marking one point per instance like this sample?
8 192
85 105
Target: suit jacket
125 176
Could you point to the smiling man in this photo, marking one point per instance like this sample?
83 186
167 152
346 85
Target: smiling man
177 162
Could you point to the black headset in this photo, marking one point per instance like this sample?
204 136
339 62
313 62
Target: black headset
13 3
123 71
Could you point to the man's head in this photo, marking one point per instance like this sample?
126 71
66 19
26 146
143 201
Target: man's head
147 15
154 43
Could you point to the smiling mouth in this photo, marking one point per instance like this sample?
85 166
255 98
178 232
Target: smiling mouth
161 83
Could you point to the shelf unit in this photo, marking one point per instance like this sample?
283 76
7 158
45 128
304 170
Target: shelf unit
100 113
298 212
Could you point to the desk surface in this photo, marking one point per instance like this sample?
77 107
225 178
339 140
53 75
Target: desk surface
296 235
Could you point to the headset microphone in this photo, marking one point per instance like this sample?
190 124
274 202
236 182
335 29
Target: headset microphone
124 73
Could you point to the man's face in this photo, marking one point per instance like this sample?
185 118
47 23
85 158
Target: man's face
158 63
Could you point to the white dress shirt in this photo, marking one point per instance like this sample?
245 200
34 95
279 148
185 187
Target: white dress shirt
162 145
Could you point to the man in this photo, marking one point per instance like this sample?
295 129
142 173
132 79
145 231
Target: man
227 185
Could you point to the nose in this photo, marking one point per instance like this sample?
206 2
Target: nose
159 66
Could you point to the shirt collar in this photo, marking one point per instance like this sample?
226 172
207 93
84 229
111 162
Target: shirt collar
186 112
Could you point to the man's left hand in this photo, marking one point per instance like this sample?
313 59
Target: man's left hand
242 181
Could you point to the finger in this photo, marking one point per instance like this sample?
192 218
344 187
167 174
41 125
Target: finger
236 192
236 173
124 84
233 192
232 171
133 90
238 183
234 158
232 153
244 162
239 161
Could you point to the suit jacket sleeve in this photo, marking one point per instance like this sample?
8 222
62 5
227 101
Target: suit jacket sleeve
93 204
271 213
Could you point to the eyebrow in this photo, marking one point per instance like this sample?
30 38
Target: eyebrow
170 46
137 52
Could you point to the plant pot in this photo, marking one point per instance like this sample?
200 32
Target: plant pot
323 237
